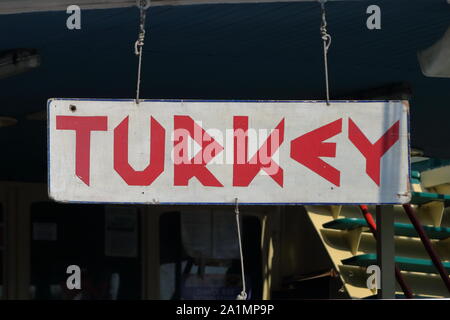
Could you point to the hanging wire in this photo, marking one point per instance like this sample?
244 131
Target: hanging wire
326 38
243 294
139 44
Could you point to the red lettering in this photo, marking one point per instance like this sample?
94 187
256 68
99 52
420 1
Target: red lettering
83 127
307 149
245 171
184 168
373 152
157 153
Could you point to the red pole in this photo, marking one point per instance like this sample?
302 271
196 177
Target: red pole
398 275
427 244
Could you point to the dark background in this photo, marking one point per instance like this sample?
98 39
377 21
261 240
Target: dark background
230 51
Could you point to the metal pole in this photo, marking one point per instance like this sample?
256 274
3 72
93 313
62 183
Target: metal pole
427 244
386 251
398 275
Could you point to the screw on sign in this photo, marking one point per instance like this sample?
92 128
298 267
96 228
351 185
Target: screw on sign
278 157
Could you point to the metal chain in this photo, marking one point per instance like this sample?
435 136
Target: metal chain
139 44
326 38
243 294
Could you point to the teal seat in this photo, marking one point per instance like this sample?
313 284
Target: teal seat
345 224
404 263
401 229
415 177
424 197
415 174
429 164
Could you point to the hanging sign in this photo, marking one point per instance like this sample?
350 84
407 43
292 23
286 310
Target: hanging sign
261 152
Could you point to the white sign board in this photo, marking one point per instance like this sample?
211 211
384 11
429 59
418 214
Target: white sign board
260 152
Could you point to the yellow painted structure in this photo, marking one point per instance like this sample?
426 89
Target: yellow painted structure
344 244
